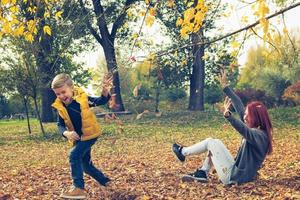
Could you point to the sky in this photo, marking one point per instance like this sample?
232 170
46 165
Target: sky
229 24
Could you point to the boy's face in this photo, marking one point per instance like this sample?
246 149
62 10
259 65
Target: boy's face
64 93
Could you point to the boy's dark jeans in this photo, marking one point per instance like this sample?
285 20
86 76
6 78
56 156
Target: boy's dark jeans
80 160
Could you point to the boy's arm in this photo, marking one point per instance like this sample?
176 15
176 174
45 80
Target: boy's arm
61 126
97 101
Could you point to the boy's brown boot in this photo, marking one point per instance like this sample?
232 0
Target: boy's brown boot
75 193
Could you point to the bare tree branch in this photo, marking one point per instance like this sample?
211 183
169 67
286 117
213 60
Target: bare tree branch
119 21
89 25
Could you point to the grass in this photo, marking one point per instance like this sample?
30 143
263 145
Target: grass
137 155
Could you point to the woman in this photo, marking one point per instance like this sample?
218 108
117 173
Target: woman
254 126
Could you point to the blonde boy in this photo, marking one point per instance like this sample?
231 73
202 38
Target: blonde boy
78 124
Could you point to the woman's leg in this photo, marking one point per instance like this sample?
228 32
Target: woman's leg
218 154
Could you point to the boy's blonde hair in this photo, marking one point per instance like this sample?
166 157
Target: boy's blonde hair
60 80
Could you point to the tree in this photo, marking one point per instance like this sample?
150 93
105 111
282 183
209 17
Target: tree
100 31
46 27
273 68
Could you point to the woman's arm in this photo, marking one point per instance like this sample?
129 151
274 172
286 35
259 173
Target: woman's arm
254 136
235 100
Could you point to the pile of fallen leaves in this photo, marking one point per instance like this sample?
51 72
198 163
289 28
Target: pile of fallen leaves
140 162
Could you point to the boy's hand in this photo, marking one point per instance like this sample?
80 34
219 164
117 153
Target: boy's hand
71 135
107 84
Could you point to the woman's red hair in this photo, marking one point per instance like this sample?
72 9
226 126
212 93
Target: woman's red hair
258 117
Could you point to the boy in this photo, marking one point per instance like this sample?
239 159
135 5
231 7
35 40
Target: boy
78 124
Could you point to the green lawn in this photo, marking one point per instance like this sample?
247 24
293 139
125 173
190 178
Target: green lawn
137 156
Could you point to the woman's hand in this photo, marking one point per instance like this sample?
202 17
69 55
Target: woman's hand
223 79
227 104
71 135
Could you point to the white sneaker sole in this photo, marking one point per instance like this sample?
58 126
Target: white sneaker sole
72 197
189 178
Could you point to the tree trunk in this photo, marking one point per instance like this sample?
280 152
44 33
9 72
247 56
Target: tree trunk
196 101
110 57
48 98
25 100
157 93
38 115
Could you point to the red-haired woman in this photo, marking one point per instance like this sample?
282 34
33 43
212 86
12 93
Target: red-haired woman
254 126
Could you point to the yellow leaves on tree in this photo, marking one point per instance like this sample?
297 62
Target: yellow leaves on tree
14 23
151 17
192 18
261 11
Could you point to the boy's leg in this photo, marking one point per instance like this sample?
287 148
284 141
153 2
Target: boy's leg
76 158
91 170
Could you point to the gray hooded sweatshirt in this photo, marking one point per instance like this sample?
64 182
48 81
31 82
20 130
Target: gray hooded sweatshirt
254 147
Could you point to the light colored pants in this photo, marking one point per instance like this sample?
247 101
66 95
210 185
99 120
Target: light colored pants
219 155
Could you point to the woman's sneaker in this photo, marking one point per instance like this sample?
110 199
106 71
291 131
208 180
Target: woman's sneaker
198 175
177 150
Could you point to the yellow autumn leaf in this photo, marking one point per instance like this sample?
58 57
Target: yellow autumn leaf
5 2
152 11
152 57
183 63
145 197
245 19
47 30
14 9
142 13
205 56
176 54
234 44
19 31
179 21
58 14
29 37
135 35
149 21
46 14
129 13
189 15
170 3
147 1
6 27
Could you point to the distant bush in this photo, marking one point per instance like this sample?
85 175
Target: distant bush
138 106
250 94
213 94
292 94
175 93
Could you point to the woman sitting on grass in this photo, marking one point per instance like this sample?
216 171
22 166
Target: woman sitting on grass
256 129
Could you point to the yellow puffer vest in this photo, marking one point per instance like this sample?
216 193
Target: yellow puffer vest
90 127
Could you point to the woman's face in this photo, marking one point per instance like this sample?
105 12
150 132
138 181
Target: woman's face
246 116
64 93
